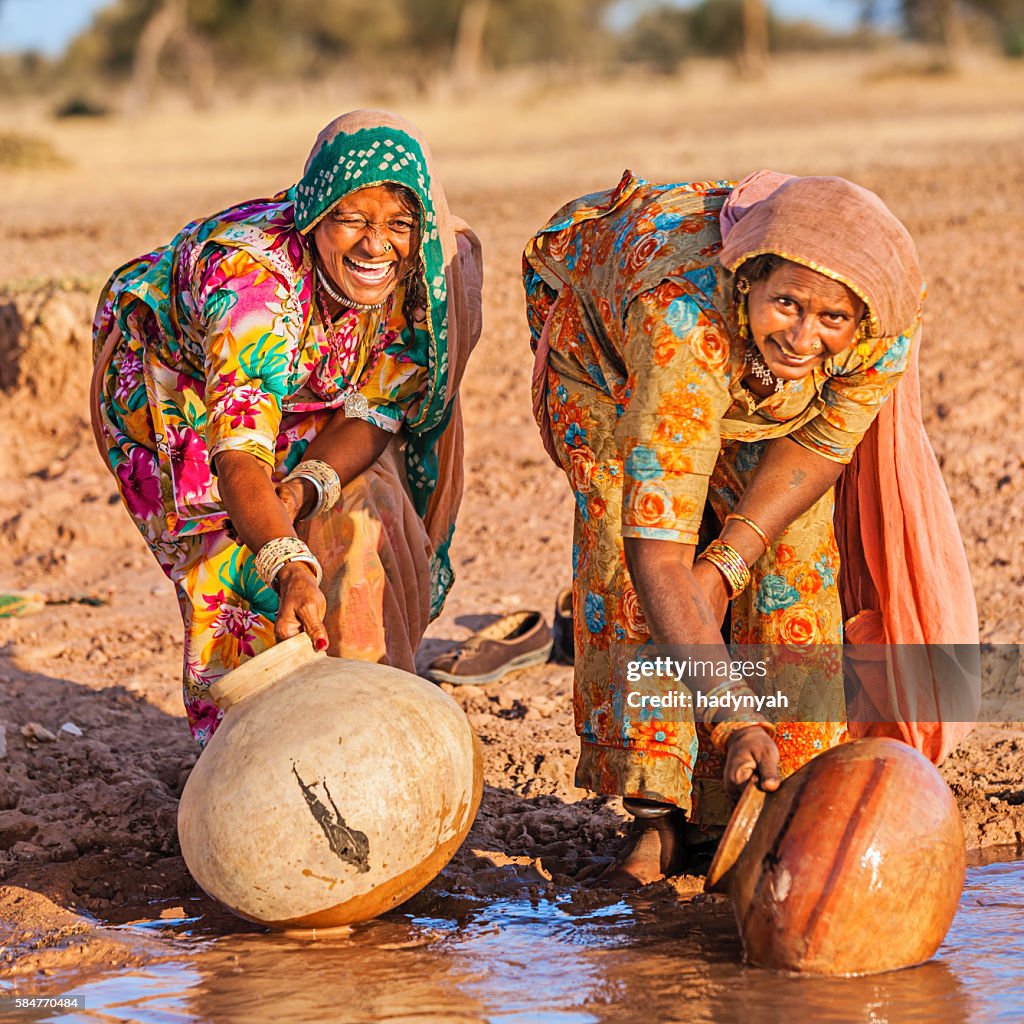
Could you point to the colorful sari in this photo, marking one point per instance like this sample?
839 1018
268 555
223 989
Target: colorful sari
217 342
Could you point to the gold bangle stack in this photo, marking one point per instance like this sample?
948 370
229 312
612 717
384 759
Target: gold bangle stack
277 553
729 562
766 540
723 732
325 481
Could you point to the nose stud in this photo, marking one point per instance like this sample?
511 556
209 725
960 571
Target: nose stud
388 247
816 347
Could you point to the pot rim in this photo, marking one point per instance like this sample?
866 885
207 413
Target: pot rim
261 671
734 839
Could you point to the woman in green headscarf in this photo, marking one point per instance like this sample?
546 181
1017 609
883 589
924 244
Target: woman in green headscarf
275 393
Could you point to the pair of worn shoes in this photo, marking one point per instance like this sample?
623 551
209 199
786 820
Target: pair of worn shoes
510 643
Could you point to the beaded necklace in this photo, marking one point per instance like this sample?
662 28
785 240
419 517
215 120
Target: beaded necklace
341 298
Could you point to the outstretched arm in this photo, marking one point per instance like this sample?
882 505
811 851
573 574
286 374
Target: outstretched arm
672 595
257 516
684 602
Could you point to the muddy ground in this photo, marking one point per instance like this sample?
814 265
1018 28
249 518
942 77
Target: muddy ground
87 814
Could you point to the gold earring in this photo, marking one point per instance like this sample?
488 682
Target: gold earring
742 318
863 339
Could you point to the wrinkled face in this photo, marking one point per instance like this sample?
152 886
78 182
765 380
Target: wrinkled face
367 242
799 318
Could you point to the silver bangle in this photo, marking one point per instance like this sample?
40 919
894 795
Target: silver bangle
325 480
277 553
318 487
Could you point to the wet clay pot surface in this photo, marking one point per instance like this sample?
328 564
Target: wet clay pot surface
332 791
854 865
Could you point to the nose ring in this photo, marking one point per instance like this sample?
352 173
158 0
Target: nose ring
816 347
388 247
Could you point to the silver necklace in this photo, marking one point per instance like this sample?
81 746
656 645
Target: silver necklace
354 404
760 371
343 300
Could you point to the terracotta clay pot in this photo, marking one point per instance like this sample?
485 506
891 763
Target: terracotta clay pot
332 791
854 865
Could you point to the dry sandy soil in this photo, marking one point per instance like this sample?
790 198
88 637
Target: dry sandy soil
89 820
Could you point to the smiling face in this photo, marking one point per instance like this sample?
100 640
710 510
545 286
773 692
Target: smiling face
800 318
367 242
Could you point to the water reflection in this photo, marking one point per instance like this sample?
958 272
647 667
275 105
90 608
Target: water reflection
929 994
386 971
565 961
986 943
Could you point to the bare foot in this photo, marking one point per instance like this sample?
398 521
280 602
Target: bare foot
654 849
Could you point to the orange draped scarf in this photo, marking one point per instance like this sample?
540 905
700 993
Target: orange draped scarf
905 581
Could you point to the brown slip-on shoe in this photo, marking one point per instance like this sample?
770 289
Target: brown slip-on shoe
512 642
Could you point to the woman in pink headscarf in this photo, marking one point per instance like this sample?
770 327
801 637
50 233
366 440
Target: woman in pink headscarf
708 360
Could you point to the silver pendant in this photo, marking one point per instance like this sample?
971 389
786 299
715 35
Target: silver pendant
760 371
356 406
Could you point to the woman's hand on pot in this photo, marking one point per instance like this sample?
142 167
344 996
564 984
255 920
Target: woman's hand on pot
302 605
751 752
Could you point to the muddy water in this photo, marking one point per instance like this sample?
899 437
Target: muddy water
563 960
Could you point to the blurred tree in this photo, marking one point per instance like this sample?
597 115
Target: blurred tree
716 27
659 38
664 36
166 19
431 26
754 55
938 22
713 28
948 24
548 31
468 49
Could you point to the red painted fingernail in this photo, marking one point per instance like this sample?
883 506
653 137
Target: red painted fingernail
321 644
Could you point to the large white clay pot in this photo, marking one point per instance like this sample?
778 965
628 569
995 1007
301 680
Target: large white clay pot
332 791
